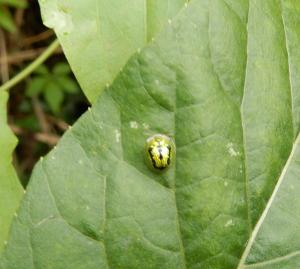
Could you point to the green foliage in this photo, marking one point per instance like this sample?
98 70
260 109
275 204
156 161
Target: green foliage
6 20
99 43
52 85
222 80
10 188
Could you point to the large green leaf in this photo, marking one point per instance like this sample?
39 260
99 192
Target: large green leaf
10 187
222 81
98 36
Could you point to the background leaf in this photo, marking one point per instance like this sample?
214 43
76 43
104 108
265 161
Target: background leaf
10 188
98 36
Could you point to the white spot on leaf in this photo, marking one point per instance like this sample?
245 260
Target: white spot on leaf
118 135
229 223
45 220
134 125
146 126
232 152
59 20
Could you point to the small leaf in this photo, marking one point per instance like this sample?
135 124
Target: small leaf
36 86
68 84
54 96
61 69
41 70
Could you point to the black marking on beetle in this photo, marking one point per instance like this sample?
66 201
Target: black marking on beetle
169 156
152 159
160 153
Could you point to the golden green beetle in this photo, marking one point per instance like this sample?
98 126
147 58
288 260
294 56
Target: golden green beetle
160 152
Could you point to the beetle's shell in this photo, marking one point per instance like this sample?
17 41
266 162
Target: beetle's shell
160 152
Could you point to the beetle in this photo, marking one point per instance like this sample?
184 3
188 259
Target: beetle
160 152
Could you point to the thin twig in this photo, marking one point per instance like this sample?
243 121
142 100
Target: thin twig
49 139
25 55
3 53
62 125
37 38
19 17
31 67
16 129
38 111
46 138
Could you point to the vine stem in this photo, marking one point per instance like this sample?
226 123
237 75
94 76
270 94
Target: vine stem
31 67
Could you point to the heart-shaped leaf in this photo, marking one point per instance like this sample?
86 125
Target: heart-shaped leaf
222 81
98 36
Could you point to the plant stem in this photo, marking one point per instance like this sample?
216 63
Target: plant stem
31 67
